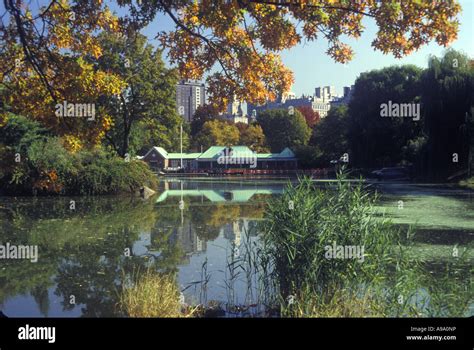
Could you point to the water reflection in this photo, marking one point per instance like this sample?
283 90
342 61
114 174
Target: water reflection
86 254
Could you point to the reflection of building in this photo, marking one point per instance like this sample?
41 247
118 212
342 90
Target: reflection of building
184 235
220 157
233 231
231 195
189 240
189 96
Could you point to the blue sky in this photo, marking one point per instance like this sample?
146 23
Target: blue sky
312 67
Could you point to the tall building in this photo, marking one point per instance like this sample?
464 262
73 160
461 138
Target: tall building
325 93
287 96
235 112
348 90
189 96
320 106
322 97
286 101
234 106
298 102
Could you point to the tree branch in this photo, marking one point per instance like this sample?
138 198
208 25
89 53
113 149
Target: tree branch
215 48
325 7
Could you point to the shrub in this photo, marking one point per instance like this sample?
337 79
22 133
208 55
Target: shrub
50 169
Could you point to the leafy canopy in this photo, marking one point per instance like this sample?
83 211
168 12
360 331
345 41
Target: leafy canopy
237 42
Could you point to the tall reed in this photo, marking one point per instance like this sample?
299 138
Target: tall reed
303 226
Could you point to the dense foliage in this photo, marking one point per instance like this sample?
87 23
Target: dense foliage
34 162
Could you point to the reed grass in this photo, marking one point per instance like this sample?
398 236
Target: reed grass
153 295
295 236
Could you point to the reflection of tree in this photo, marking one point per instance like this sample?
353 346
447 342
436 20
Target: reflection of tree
254 211
93 274
22 276
222 214
171 253
206 220
207 233
200 220
84 249
40 294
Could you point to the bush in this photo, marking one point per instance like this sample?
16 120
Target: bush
100 173
51 169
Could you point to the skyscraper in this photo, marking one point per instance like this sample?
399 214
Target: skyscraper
235 112
322 99
189 96
325 93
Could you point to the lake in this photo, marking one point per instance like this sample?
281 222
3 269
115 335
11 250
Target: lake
196 227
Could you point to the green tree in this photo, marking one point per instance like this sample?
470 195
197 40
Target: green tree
145 112
252 136
202 115
284 129
448 101
381 141
16 137
217 133
330 136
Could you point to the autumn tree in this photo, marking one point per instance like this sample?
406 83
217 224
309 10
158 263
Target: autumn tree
311 116
237 42
44 63
217 133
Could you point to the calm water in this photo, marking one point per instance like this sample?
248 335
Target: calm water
85 252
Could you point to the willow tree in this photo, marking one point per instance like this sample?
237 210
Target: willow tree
448 101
